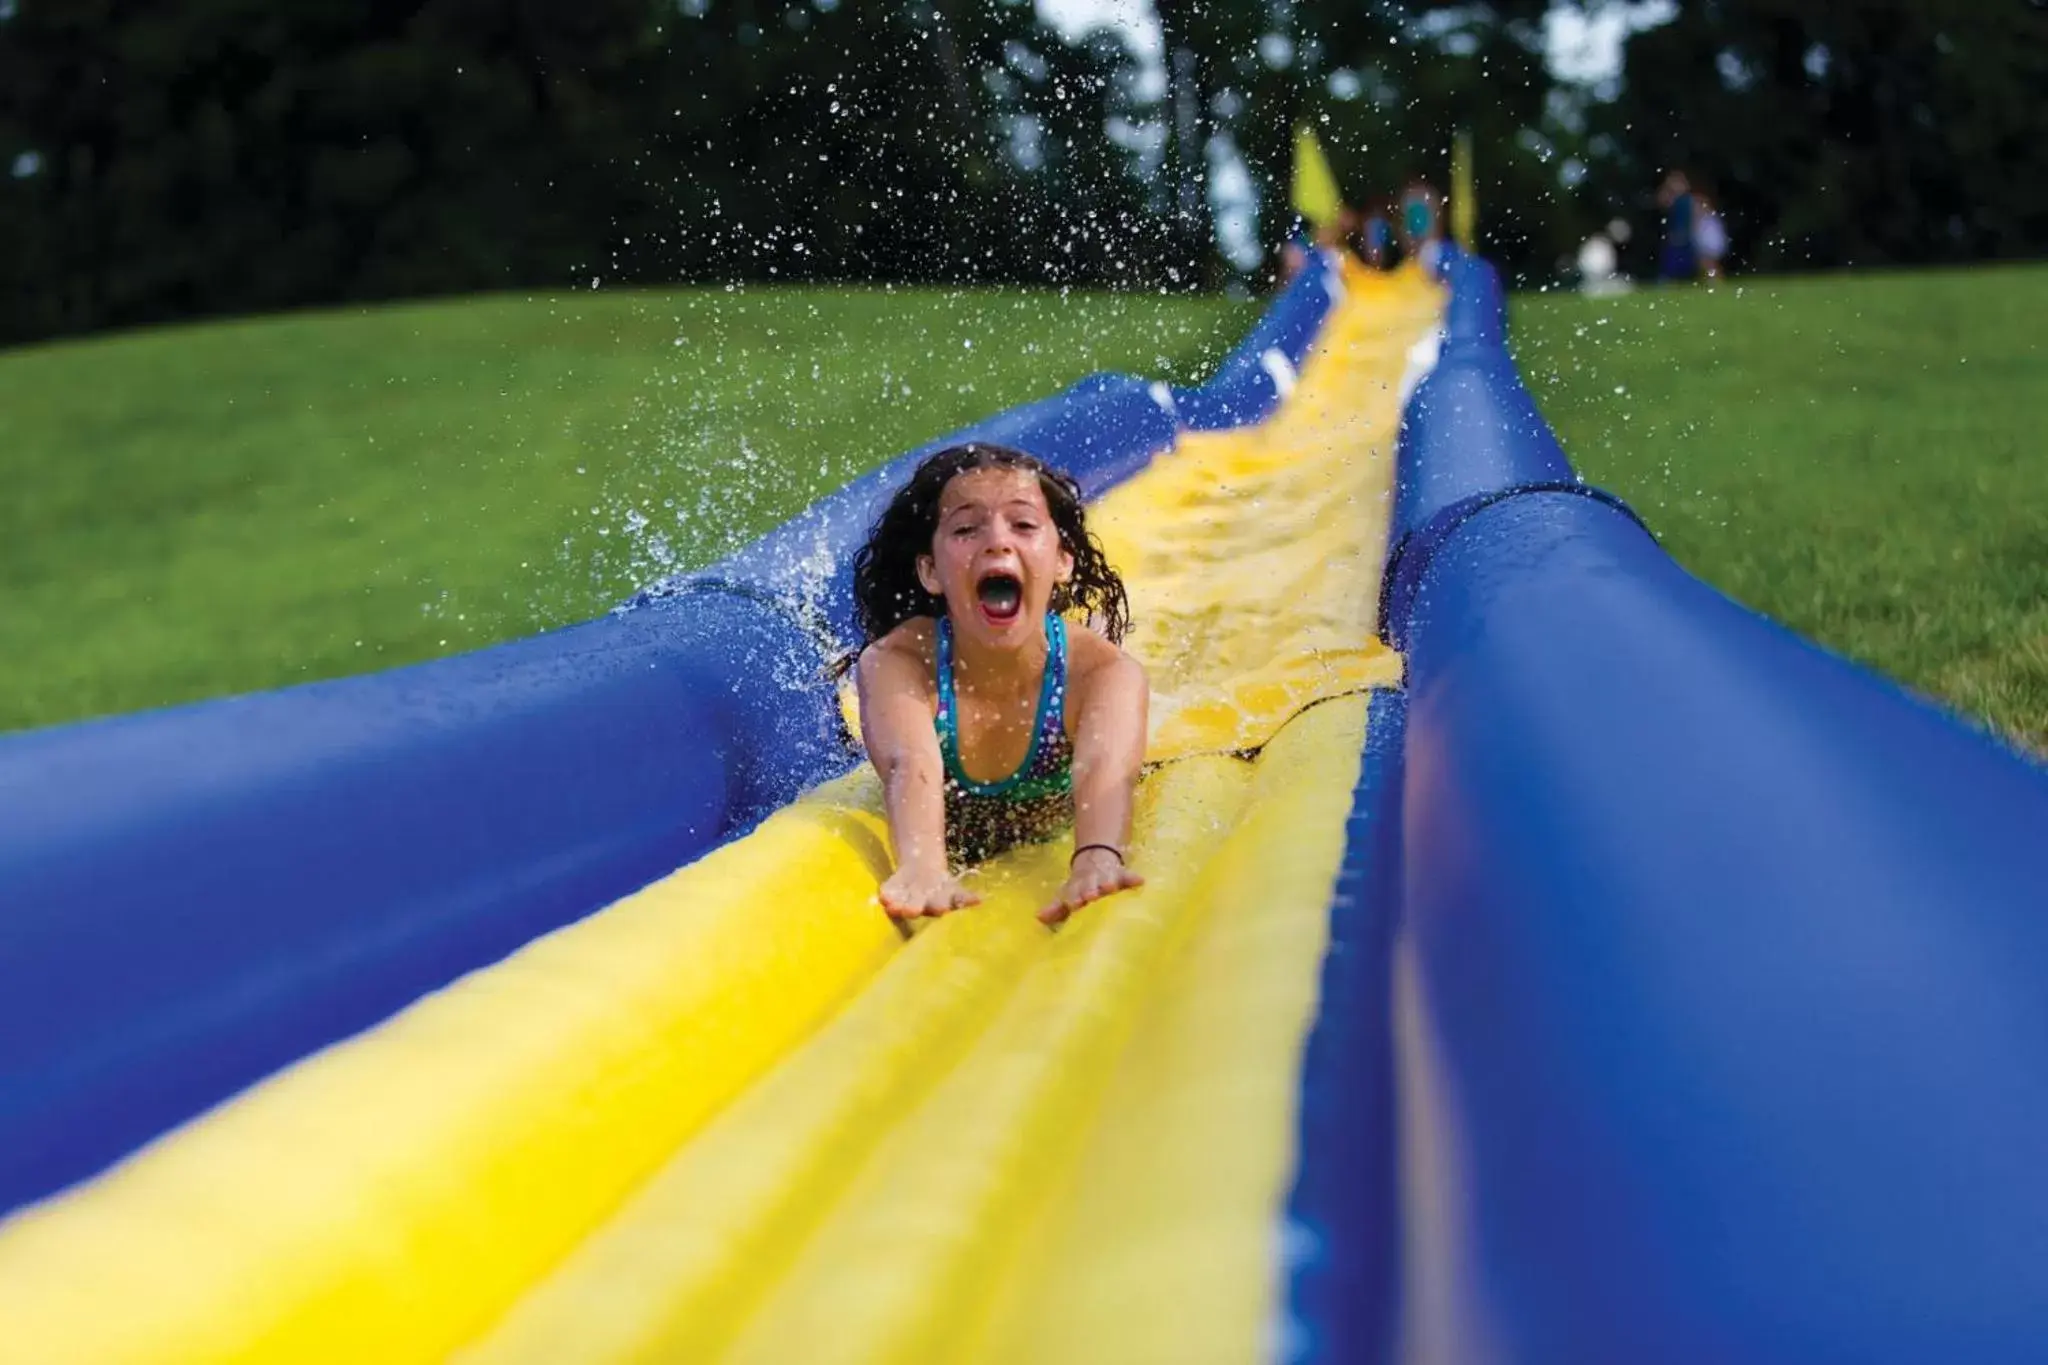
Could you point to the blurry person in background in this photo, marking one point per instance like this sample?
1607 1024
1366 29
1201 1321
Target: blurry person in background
1341 234
1294 250
1680 259
1710 237
1422 228
1599 261
1375 243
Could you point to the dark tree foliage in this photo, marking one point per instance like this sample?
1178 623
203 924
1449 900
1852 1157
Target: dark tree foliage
1845 132
232 155
166 161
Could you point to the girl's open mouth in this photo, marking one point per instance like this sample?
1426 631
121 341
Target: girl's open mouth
1001 596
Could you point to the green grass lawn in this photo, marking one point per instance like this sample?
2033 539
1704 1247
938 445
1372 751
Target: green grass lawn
213 509
1864 458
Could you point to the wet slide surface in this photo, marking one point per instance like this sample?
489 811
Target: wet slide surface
736 1117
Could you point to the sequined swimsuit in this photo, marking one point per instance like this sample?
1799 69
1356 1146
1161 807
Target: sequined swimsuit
984 818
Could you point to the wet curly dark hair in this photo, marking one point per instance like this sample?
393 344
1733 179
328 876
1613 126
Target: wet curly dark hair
886 592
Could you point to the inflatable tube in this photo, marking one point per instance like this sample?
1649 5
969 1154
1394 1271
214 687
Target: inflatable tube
1262 368
1342 1241
1718 1006
735 1116
1733 1015
199 895
196 897
1471 428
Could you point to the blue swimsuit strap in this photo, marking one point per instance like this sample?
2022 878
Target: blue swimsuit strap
1052 688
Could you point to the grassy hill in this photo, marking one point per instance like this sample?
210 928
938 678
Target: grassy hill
1860 457
212 509
215 509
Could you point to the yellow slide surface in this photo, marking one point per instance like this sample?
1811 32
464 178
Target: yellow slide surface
736 1117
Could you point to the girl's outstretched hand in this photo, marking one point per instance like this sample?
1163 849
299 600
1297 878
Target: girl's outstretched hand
910 893
1097 872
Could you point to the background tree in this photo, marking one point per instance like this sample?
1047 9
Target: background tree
161 162
1840 133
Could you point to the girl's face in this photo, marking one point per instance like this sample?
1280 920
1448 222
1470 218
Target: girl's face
996 556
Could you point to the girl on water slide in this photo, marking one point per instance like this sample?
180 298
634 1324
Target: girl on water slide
991 718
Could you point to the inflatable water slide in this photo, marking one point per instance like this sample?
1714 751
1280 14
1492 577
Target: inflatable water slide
1543 958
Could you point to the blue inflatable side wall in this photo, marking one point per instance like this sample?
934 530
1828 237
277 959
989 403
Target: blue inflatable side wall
1342 1239
1717 979
196 897
192 898
1247 386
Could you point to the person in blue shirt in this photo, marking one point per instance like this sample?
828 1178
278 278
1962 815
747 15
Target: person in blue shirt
1376 238
1422 231
1680 259
1710 239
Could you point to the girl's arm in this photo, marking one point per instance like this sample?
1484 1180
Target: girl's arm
1109 748
896 726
